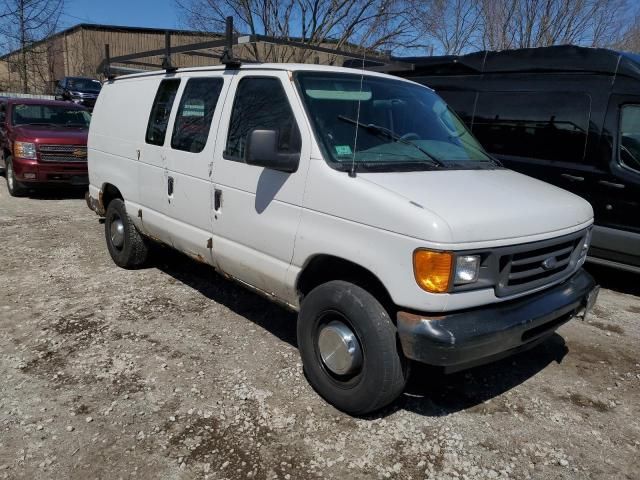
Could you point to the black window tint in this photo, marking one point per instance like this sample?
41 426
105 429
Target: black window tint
193 121
549 126
159 118
461 102
630 137
261 104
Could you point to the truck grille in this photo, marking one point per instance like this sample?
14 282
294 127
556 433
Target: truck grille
526 267
63 153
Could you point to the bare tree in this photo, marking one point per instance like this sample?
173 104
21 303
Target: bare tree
23 23
449 27
630 38
539 23
374 24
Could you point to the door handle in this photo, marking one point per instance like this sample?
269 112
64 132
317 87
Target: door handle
217 199
611 184
170 186
573 178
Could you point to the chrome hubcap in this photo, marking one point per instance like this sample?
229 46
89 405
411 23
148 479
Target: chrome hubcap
10 175
339 348
117 232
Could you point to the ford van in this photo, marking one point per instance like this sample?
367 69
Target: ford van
357 199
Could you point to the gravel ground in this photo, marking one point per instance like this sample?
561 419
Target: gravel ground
172 372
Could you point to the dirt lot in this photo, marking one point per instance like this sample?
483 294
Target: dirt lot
173 372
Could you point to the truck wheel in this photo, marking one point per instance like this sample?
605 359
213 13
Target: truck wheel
16 189
348 347
126 246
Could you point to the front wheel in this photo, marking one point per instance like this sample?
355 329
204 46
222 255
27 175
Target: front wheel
348 347
16 189
127 247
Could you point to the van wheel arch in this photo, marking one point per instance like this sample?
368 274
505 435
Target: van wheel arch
324 268
109 193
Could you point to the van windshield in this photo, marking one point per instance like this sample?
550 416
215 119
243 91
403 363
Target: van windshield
381 124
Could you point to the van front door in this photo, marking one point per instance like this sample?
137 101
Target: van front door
617 209
190 162
257 210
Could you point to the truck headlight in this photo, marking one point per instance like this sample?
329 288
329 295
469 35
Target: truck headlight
24 150
467 269
432 270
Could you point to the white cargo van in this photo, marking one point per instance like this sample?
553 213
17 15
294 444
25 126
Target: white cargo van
358 199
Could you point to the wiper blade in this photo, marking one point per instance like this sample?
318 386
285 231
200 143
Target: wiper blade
371 127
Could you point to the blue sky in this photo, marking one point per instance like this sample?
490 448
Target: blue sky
135 13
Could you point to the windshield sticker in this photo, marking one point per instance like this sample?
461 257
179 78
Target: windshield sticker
343 150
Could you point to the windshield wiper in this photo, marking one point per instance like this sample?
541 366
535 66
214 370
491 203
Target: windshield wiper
491 159
371 127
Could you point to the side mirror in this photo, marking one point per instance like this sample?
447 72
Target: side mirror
262 151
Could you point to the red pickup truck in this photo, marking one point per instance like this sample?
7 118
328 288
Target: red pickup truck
42 142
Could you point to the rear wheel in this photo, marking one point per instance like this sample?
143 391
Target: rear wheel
348 346
126 245
15 188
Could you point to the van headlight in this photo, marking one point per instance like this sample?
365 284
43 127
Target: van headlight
586 243
438 272
24 150
467 269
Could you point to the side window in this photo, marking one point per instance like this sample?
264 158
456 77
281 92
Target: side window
193 121
261 104
543 125
629 145
159 118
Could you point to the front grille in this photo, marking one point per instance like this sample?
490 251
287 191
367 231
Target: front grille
532 265
63 153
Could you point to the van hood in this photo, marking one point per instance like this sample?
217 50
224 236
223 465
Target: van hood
487 205
52 134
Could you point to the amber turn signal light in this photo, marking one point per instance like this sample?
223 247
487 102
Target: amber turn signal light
433 270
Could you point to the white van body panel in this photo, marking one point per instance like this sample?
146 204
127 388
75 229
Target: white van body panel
271 224
255 230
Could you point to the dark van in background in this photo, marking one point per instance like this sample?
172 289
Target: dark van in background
80 90
566 115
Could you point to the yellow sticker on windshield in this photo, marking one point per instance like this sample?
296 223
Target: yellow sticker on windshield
343 150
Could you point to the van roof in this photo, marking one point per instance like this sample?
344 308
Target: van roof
561 58
290 67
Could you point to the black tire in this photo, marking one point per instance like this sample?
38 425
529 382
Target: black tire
16 189
384 371
132 251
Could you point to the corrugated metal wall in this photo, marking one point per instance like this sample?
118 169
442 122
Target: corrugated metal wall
79 52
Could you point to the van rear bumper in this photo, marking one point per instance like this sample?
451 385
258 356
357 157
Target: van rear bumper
468 338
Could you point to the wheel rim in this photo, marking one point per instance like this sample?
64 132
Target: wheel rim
339 348
10 175
116 231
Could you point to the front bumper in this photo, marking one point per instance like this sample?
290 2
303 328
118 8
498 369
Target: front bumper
467 338
34 172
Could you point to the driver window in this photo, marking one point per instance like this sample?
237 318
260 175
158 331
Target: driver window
629 149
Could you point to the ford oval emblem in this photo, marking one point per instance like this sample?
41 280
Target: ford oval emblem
549 263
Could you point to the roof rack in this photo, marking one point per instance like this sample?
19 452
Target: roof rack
374 62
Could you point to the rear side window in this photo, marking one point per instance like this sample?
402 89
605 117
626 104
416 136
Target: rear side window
261 104
541 125
630 137
159 118
193 121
